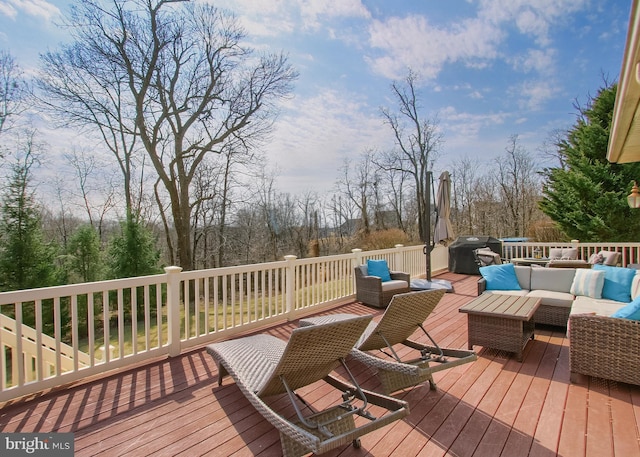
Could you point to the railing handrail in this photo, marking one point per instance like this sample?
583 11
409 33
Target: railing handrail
137 319
148 316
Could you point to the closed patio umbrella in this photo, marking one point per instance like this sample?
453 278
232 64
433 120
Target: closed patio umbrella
443 231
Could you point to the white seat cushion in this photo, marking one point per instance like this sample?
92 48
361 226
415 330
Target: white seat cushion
602 307
552 298
394 284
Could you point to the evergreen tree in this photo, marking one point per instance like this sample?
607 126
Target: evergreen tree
84 250
133 252
26 261
587 197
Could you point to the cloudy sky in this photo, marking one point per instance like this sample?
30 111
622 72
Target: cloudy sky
488 69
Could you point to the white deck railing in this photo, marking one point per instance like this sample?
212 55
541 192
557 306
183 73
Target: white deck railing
56 335
80 330
630 251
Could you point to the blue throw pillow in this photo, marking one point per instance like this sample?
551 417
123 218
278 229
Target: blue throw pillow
617 282
500 277
379 268
631 311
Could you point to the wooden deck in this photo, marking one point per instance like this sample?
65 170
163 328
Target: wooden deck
494 406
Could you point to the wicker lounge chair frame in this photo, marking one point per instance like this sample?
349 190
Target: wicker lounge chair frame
404 316
263 365
369 288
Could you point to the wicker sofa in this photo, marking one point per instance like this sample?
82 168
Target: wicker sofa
599 345
551 285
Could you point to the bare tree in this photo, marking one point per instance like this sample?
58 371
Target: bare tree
174 76
357 181
553 148
94 184
340 212
392 183
465 198
418 140
13 91
518 186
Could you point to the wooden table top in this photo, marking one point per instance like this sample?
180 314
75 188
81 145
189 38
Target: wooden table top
506 306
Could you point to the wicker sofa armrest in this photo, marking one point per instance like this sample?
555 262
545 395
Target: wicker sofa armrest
482 285
370 281
401 275
604 347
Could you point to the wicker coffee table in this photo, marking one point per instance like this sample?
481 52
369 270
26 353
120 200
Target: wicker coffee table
503 322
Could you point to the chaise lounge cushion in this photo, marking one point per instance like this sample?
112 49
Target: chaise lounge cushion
500 277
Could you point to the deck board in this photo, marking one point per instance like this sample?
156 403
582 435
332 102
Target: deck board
494 406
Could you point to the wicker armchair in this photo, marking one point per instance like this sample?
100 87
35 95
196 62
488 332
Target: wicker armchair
604 347
371 291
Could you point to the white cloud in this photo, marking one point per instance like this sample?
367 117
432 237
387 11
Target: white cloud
534 93
537 60
476 41
314 135
532 17
467 125
37 8
8 10
414 42
313 11
276 17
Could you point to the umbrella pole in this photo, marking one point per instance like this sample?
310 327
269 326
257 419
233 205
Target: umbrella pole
427 230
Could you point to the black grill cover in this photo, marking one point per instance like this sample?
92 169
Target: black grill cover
461 258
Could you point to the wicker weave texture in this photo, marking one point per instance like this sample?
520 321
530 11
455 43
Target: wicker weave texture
293 448
369 288
552 315
499 333
258 362
605 347
405 314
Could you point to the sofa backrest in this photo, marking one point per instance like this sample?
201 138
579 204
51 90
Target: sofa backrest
554 279
523 273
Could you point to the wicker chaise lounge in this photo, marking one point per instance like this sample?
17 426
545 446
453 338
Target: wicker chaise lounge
405 315
263 365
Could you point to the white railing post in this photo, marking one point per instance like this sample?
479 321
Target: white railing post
290 283
173 309
357 260
399 258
